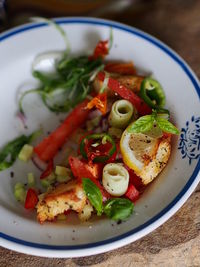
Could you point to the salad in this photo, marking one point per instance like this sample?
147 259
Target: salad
119 127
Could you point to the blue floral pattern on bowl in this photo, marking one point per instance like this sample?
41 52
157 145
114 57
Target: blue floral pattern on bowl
189 143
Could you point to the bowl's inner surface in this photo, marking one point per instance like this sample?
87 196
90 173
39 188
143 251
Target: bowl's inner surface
16 71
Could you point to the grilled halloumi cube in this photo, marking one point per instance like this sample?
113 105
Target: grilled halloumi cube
63 197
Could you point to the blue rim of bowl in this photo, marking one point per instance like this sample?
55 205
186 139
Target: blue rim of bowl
170 53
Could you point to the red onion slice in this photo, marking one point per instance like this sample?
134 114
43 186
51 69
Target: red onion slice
41 165
22 119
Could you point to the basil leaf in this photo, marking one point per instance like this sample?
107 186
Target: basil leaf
166 126
94 195
118 208
141 125
10 152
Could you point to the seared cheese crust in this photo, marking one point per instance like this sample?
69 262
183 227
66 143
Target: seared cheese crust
63 197
157 163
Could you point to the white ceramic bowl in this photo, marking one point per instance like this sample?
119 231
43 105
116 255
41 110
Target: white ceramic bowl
19 229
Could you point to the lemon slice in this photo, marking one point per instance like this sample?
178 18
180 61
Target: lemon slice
146 154
137 149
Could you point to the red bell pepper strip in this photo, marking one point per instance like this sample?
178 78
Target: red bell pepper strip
124 92
81 169
100 102
31 199
121 68
48 148
132 193
101 50
48 170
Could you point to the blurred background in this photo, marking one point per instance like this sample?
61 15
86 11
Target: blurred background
176 22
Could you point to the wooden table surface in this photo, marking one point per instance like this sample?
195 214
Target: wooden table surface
177 242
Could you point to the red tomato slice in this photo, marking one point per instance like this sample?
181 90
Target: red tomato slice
135 180
81 169
31 199
132 193
127 94
48 148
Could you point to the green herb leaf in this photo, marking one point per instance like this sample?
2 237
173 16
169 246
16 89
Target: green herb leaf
94 195
118 208
143 124
9 152
166 126
69 86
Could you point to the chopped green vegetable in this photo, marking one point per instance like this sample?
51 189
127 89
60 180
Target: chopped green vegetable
49 180
20 192
26 152
141 125
115 132
146 123
152 93
63 174
10 152
110 39
167 126
63 179
19 185
45 183
94 195
62 171
69 87
31 180
118 208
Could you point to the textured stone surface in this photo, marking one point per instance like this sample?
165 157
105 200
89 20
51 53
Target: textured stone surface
177 242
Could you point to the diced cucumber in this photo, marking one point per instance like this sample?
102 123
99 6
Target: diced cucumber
62 171
45 183
63 179
26 153
20 192
31 180
116 132
19 185
63 174
48 180
51 177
